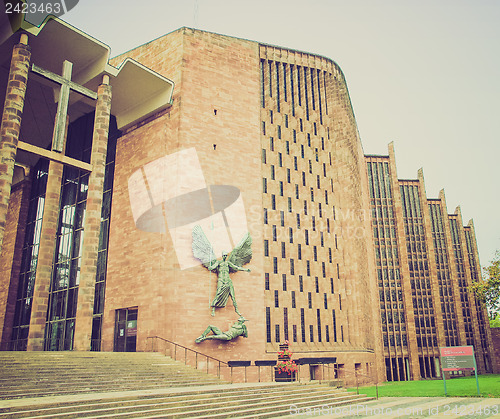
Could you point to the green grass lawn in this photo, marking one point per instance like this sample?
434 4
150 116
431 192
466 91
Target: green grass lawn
489 386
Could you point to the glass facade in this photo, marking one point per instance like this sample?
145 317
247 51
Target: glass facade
63 293
385 237
448 304
26 285
420 278
435 254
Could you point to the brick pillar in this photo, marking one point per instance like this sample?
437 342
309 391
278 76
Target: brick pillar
45 257
11 123
11 255
92 226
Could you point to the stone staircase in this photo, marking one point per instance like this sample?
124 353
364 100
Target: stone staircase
35 374
143 385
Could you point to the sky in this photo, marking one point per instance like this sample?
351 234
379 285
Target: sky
422 74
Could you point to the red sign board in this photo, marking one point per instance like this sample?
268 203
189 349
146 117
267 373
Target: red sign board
458 358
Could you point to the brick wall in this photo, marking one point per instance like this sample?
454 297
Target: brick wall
220 74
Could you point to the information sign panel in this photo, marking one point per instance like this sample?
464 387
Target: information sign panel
457 358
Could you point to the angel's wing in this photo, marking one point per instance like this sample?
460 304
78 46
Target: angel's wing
242 254
202 249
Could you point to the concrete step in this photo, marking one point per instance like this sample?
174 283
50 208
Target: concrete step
34 374
197 403
141 385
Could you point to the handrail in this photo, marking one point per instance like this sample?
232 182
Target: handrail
356 374
186 348
196 353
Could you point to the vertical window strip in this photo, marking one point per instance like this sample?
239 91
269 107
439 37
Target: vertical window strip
268 324
318 316
270 72
285 96
334 326
278 86
313 96
306 93
302 324
285 322
262 84
299 85
326 93
318 76
19 337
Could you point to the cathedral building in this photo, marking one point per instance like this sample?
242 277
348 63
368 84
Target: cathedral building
117 174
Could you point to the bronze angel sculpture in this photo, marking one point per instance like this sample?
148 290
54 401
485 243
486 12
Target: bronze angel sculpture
241 255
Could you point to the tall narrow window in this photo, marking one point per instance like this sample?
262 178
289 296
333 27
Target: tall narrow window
319 98
285 322
318 317
299 87
334 326
313 96
284 83
326 95
19 338
306 95
278 87
303 324
268 324
270 78
262 84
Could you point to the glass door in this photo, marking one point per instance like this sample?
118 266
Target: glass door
126 330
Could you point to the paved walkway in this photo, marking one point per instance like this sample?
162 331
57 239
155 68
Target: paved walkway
410 407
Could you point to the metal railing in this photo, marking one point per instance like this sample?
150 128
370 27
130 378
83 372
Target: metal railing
16 345
186 350
232 371
342 373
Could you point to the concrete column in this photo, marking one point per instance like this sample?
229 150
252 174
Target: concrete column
46 250
92 226
11 123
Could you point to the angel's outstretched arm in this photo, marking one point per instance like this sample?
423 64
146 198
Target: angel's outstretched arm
237 268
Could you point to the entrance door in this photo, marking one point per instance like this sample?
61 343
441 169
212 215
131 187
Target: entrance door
126 330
